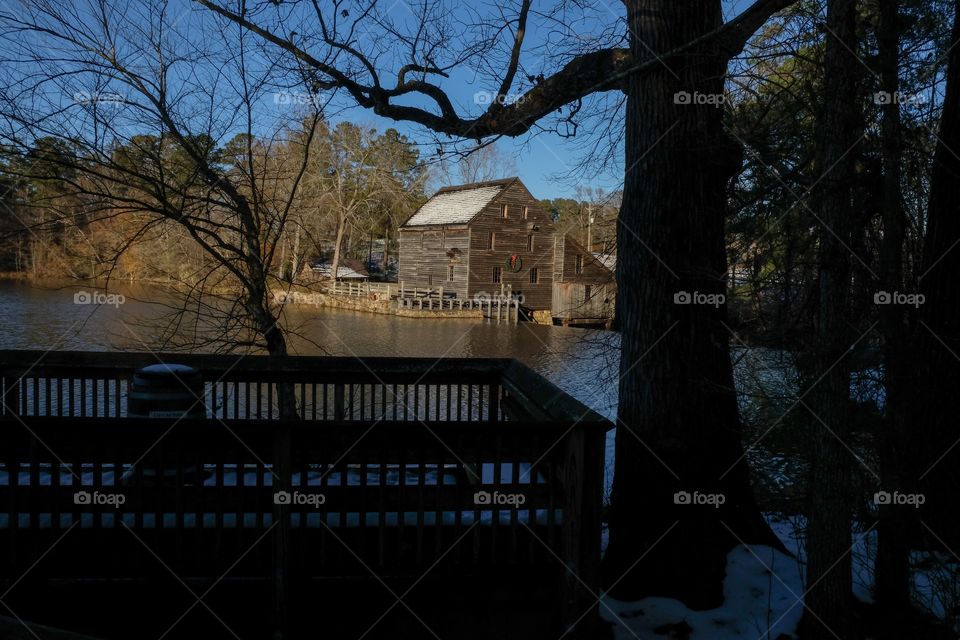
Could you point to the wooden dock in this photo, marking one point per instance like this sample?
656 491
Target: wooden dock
499 307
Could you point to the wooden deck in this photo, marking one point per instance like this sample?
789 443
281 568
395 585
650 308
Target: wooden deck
456 473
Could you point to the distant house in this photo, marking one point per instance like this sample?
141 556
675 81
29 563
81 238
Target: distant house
348 269
496 238
484 238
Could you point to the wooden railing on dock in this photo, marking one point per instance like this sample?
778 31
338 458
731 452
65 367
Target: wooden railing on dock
462 466
499 307
380 290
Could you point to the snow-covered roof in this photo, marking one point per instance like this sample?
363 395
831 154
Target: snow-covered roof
346 270
457 205
606 259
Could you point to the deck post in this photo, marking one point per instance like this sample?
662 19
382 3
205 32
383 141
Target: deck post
583 496
283 474
11 394
282 560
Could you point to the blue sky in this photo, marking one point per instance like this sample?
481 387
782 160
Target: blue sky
541 159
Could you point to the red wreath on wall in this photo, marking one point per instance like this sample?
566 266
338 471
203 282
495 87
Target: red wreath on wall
515 263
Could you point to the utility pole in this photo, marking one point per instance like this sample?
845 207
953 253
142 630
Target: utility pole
590 228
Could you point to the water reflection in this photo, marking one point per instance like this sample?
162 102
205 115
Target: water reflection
582 362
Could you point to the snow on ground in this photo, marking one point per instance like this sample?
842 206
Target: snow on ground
791 531
763 592
762 601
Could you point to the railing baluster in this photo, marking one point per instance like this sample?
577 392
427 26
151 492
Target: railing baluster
363 400
270 386
213 399
395 404
236 400
416 402
325 403
459 403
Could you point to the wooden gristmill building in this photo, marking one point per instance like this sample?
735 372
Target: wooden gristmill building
495 238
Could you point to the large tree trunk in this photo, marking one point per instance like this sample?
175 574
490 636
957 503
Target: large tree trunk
678 425
828 536
892 564
938 336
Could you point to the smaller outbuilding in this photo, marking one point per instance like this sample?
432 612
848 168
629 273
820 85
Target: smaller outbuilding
584 287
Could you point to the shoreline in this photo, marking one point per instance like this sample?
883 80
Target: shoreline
353 303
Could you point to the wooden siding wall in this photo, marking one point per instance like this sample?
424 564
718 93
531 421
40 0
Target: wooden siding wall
512 239
418 263
558 253
570 301
593 273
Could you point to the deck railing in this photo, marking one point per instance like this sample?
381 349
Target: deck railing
465 466
82 384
